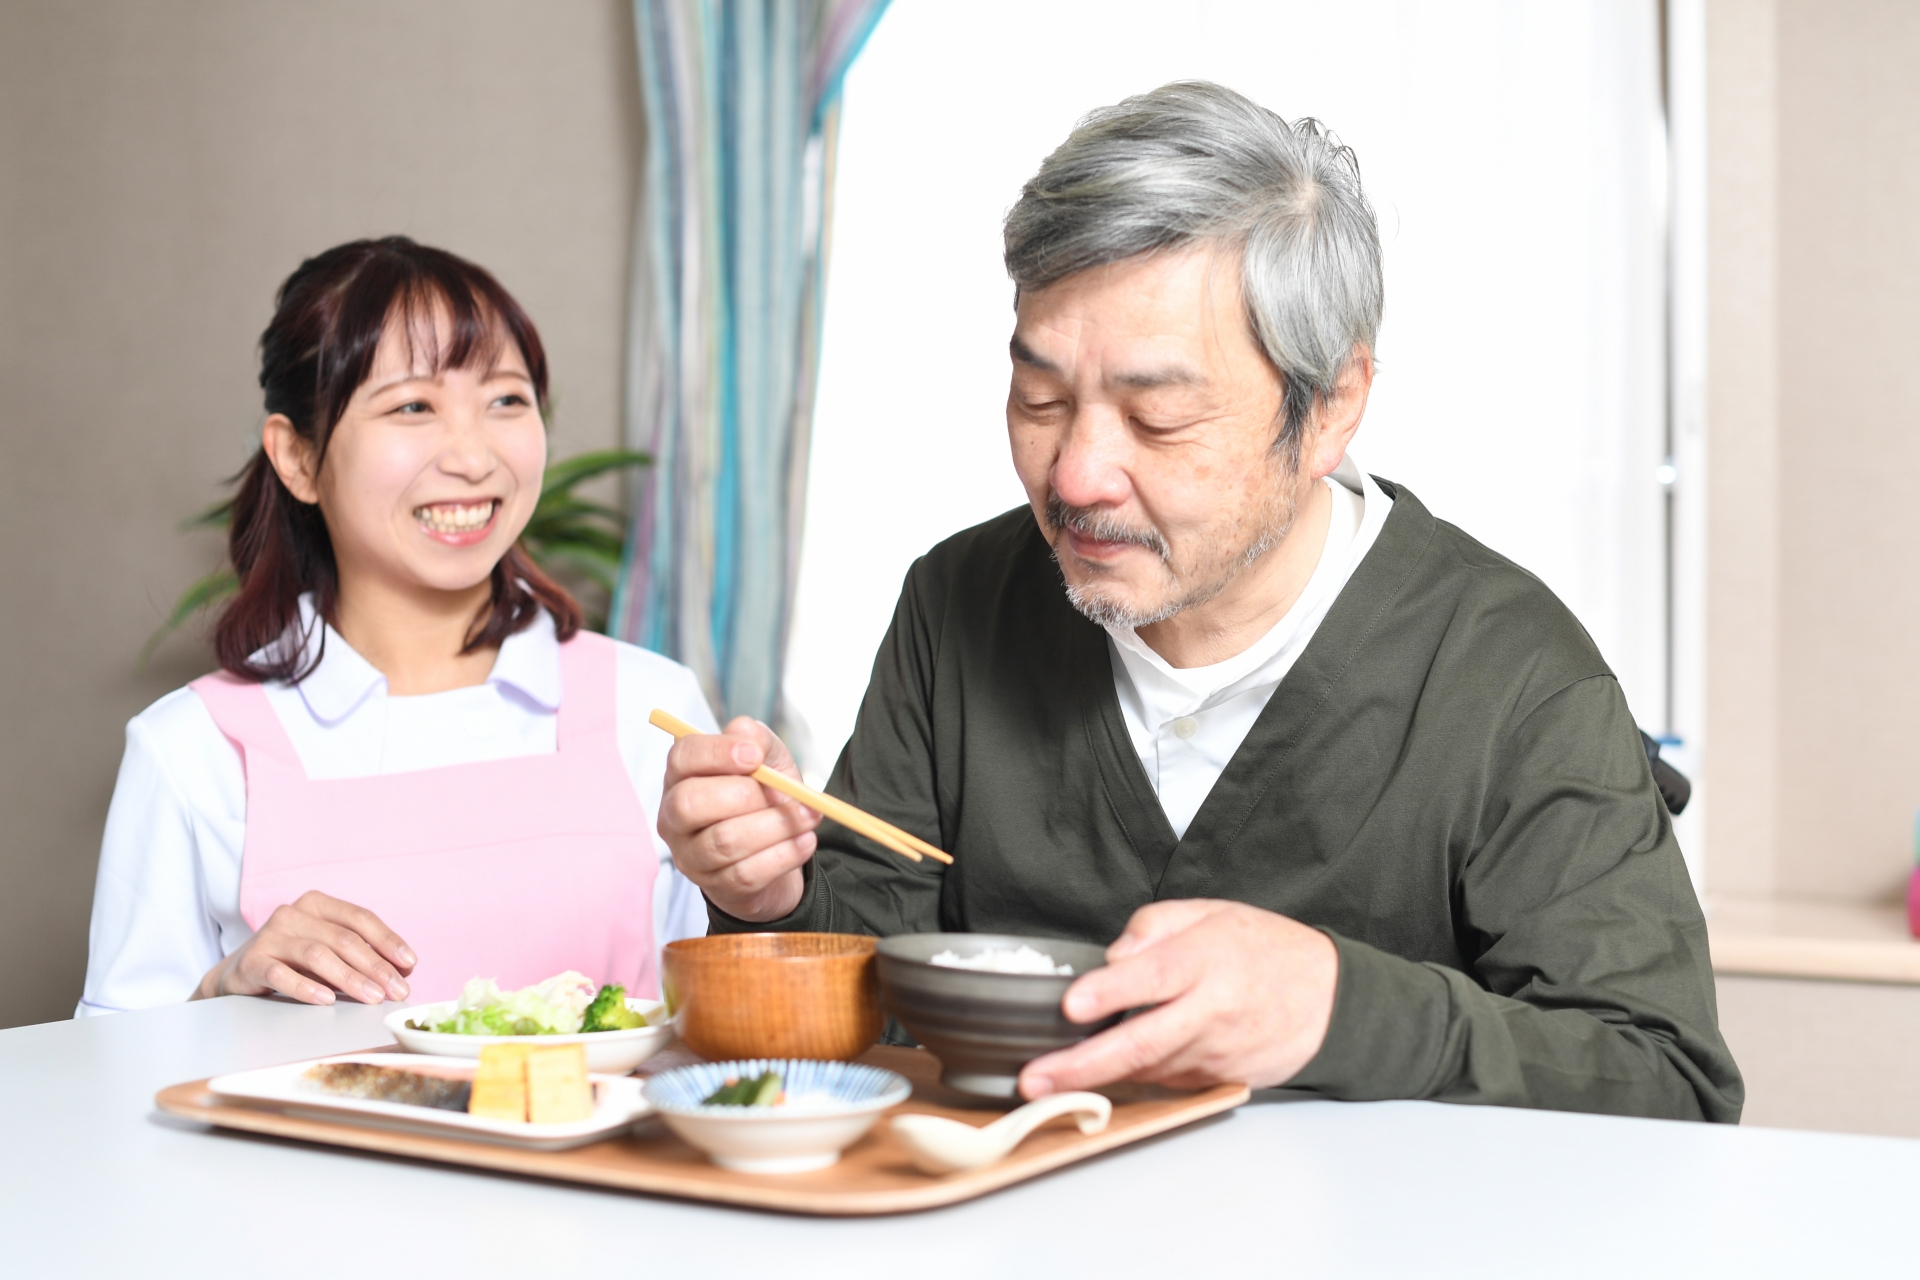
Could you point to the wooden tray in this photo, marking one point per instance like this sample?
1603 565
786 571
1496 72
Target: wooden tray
874 1176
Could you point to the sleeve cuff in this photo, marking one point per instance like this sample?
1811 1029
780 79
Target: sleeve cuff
807 916
1388 1027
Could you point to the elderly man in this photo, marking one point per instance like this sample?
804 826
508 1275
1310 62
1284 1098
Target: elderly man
1355 800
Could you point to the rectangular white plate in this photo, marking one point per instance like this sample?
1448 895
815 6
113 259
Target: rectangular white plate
617 1104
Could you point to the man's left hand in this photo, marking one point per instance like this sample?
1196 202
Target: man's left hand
1242 995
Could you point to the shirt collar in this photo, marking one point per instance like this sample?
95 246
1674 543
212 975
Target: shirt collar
1209 682
341 680
1349 475
528 663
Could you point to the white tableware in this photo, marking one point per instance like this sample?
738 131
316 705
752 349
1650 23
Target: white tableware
829 1106
940 1145
618 1101
614 1052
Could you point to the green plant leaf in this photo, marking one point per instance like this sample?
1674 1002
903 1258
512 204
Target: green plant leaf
589 536
217 516
552 507
206 591
599 569
568 472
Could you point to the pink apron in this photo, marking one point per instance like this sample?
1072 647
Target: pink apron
511 869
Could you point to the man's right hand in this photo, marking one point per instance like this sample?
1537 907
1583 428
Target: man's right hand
741 842
312 947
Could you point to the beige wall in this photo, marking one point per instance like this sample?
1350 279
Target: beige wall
1743 460
1814 421
162 168
1841 1056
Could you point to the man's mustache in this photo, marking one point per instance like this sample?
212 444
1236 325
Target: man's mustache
1102 525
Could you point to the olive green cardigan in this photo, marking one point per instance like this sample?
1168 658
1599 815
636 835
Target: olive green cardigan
1448 782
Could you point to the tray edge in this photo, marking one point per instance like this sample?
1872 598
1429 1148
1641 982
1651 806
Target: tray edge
192 1100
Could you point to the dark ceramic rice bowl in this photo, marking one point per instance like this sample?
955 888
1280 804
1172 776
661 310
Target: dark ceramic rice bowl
983 1026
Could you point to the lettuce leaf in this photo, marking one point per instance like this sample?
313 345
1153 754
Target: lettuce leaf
555 1007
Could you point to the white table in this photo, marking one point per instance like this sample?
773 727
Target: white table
94 1181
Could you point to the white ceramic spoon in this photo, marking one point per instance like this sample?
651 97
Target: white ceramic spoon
939 1145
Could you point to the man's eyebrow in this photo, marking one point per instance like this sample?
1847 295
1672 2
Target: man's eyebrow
1171 376
1024 354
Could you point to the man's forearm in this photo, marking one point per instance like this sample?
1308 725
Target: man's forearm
1402 1029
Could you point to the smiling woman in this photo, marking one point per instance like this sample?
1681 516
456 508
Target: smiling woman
414 768
423 379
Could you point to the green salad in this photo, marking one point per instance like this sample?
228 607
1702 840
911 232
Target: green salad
563 1005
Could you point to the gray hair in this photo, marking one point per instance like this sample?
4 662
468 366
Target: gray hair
1194 161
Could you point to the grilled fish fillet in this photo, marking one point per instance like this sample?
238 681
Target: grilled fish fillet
391 1084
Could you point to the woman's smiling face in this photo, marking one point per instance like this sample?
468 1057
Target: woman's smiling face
430 475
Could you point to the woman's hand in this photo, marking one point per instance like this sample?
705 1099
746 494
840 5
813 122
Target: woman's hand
742 843
309 949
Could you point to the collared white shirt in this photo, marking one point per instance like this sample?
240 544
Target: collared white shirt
1187 722
166 907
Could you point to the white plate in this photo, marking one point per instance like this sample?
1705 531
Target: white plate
617 1103
614 1052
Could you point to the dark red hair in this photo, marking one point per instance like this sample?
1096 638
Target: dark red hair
328 320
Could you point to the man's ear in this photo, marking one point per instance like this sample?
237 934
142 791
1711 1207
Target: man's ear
1337 417
291 456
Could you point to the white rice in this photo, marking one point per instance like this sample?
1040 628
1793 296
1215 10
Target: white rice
1021 959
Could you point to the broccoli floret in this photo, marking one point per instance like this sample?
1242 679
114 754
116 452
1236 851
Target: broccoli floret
609 1012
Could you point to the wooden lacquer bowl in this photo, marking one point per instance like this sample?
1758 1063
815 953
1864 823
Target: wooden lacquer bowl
773 995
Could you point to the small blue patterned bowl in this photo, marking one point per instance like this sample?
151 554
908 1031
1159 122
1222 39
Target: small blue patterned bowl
827 1107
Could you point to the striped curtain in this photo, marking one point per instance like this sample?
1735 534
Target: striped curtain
730 247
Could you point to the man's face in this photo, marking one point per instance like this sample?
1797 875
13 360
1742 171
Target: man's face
1143 416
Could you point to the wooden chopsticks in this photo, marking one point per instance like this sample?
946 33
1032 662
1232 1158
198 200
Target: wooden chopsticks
904 843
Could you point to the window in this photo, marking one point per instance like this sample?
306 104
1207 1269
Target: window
1515 156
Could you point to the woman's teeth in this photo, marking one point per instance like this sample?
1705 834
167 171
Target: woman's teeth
455 517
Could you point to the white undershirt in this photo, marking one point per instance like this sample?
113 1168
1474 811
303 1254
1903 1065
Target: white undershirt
166 907
1187 722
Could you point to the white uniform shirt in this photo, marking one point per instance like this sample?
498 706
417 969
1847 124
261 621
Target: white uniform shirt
1187 722
166 907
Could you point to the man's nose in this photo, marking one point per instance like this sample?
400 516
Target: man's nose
1090 470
